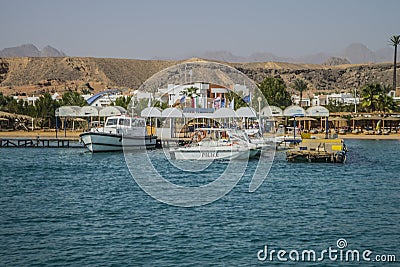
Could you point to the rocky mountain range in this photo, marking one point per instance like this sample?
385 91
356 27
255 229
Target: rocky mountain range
30 50
36 75
355 53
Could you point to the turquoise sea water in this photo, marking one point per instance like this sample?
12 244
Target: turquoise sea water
64 207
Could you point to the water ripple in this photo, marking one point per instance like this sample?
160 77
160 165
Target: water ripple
66 207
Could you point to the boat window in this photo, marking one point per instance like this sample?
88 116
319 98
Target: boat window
138 123
111 122
124 122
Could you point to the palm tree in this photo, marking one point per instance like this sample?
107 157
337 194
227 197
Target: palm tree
386 89
190 92
370 94
274 91
386 103
45 107
300 85
395 41
73 99
123 101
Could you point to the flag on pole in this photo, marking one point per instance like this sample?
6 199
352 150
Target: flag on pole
232 104
183 98
217 102
247 98
194 102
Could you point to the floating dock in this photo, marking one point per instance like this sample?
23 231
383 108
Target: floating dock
318 150
40 142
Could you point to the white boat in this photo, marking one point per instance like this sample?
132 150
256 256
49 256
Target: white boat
119 132
259 140
216 143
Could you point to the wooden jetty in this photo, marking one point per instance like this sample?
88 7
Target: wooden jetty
40 142
318 150
71 142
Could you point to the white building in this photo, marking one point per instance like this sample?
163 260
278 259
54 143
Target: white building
344 98
318 100
323 100
395 94
29 99
305 101
175 93
103 99
207 94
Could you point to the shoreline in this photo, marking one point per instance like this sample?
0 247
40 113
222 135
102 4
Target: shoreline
364 136
75 135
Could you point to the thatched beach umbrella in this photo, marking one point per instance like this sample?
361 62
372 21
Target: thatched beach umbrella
14 116
372 118
360 118
390 119
337 121
19 120
304 120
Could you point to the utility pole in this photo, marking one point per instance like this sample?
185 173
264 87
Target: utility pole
355 100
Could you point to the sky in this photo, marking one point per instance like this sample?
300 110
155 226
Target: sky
168 28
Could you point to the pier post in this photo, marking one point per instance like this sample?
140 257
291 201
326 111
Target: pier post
65 127
326 128
294 129
56 127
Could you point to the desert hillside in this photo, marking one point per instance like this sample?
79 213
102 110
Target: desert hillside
59 74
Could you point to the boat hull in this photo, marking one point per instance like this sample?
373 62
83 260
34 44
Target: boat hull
217 153
316 156
105 142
